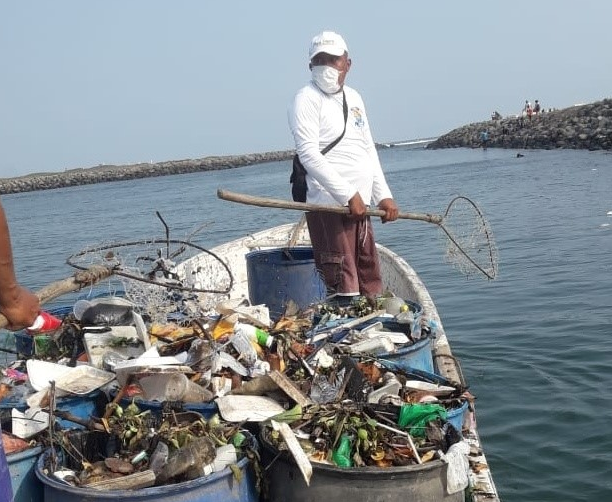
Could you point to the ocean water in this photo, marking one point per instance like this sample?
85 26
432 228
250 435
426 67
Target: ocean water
535 344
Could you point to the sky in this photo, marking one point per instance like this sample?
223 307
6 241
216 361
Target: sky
84 83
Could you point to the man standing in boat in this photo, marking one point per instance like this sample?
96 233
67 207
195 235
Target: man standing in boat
20 307
349 174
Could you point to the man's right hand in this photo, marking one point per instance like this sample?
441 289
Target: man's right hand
357 208
21 308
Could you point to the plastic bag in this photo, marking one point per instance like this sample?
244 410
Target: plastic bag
107 314
458 467
417 416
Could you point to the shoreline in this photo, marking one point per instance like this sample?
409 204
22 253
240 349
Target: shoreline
106 173
582 127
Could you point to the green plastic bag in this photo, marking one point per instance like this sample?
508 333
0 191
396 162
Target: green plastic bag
417 416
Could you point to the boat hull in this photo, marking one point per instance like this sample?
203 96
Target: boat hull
401 279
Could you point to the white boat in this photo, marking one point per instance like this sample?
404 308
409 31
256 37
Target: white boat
204 272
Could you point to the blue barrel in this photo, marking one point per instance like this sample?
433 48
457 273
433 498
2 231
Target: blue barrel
278 275
26 487
207 410
456 416
416 356
220 486
80 406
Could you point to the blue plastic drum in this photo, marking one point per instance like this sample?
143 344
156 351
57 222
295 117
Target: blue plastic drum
278 275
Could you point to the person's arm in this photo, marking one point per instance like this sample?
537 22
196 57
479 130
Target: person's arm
17 304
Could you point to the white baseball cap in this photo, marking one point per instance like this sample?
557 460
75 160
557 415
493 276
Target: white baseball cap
328 42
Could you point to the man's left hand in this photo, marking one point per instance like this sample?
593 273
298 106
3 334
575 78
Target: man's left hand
390 208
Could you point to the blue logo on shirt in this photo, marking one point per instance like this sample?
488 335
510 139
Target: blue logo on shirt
357 116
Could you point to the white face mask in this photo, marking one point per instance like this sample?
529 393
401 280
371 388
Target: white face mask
326 79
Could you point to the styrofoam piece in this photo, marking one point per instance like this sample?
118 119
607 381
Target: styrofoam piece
83 379
141 329
150 358
40 373
378 345
396 337
247 408
28 423
97 344
431 388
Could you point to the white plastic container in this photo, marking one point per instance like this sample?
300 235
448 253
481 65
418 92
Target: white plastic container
378 345
391 387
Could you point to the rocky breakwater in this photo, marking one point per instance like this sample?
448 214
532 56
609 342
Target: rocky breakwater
586 127
104 173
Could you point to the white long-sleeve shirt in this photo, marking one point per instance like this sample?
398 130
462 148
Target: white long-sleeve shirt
316 119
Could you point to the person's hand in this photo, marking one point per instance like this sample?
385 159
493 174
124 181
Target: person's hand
390 209
357 208
20 308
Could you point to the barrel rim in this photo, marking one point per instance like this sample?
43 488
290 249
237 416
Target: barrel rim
354 472
144 493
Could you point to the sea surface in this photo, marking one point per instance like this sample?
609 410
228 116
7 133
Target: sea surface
535 344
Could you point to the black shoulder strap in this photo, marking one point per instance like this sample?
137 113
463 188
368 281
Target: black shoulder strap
337 140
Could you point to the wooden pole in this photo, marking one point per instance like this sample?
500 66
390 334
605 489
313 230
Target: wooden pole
253 200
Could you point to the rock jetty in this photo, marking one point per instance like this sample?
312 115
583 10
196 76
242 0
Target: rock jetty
585 127
104 173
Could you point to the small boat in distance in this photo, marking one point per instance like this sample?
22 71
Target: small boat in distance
422 142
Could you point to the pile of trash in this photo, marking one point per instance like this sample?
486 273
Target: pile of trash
120 398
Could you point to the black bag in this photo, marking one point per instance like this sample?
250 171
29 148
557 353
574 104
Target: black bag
298 173
298 180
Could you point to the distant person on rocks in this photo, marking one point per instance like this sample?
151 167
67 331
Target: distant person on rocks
484 139
348 175
536 107
528 109
496 115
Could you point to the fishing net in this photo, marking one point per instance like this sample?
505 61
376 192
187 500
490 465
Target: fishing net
470 246
162 277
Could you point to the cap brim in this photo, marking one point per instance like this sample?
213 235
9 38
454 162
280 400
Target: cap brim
334 52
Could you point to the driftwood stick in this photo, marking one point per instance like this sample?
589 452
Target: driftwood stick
136 481
79 280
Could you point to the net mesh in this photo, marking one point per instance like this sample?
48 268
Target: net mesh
162 277
470 246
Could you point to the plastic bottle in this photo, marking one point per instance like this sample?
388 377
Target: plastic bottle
194 456
159 457
255 334
415 328
259 368
226 455
342 454
243 345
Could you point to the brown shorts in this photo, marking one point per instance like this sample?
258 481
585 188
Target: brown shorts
345 253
